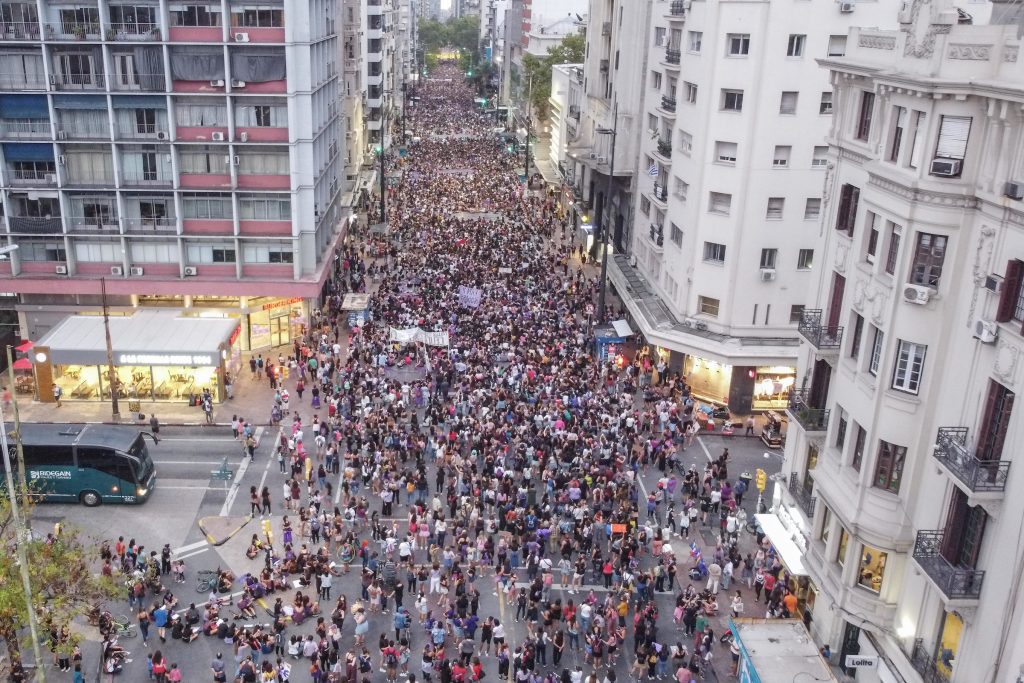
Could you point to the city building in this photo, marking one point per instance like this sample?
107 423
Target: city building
382 70
733 119
900 449
563 123
172 156
357 185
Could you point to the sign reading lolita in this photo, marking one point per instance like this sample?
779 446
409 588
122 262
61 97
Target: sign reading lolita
415 334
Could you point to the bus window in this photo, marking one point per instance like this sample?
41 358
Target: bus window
46 456
113 473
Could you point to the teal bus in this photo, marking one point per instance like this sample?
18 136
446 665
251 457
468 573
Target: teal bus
86 463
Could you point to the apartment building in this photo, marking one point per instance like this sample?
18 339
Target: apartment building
188 154
900 453
564 115
733 120
353 95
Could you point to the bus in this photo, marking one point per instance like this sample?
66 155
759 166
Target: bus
86 463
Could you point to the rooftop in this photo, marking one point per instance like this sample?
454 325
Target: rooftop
780 650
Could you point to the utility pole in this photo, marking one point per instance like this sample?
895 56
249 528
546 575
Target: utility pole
606 213
111 372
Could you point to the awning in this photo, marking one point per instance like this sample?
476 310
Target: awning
22 364
18 151
782 539
355 302
24 107
79 101
140 101
622 328
23 347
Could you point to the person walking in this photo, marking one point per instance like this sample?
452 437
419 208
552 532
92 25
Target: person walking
154 426
254 502
57 394
160 618
265 501
144 621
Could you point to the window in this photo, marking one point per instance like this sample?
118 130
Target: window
812 209
732 100
795 46
865 115
42 251
210 253
720 203
694 40
207 207
844 541
872 568
261 114
659 36
264 208
680 188
725 152
872 246
685 143
98 252
1011 300
275 252
768 257
196 15
836 46
953 134
894 250
787 103
906 376
776 206
796 311
928 258
841 426
858 333
846 218
995 422
825 105
805 259
889 467
738 44
708 306
780 158
655 83
145 121
690 92
826 524
858 448
146 252
917 142
645 205
877 342
899 124
714 252
675 234
820 157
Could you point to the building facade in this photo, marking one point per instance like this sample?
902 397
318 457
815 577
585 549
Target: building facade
190 156
730 187
900 457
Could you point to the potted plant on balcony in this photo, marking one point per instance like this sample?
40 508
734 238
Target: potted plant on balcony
111 34
78 32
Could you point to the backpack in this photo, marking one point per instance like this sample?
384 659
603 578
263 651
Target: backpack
391 658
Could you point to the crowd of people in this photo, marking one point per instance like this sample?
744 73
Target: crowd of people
499 457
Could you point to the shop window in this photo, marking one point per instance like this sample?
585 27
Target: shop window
872 568
826 523
858 447
772 386
889 466
844 540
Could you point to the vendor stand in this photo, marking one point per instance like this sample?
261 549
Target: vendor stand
358 307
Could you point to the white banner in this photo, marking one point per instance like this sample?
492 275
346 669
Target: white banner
404 336
470 296
433 338
415 334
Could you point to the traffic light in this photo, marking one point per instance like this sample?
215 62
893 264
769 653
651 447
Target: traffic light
377 149
762 480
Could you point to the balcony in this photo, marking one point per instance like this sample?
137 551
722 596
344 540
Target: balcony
19 30
106 225
32 225
72 31
134 32
139 82
974 475
672 55
677 9
657 235
801 496
13 129
660 193
20 80
665 148
927 664
961 584
826 338
668 103
150 226
79 81
31 178
810 418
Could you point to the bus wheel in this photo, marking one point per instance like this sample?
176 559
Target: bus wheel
90 498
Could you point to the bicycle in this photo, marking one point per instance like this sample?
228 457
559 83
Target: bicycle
123 627
208 580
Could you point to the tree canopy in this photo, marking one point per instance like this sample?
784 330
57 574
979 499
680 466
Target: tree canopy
537 70
462 33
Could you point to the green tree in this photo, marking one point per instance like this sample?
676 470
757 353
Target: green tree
65 584
433 35
537 70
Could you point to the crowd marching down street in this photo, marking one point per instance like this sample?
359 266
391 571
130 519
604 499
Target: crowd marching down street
492 470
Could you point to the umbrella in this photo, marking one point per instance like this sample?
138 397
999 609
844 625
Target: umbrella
24 346
22 364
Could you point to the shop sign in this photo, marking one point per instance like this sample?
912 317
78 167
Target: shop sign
283 302
234 336
165 359
859 662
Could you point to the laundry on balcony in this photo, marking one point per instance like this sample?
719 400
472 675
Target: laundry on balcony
197 63
258 65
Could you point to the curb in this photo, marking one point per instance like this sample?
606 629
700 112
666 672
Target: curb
214 542
140 424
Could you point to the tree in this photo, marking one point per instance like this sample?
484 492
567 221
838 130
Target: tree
433 35
537 70
64 584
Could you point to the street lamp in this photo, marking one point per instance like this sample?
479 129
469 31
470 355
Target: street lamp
606 211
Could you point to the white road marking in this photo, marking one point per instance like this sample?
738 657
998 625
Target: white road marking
193 553
190 546
705 448
233 492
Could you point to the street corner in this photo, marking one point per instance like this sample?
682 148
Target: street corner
221 529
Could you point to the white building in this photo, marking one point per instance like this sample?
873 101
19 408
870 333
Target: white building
564 118
735 112
900 453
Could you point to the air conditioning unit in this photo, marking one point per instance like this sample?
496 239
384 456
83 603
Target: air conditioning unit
946 167
116 270
916 294
62 270
243 136
63 135
135 271
191 271
161 135
767 274
237 84
241 37
1014 190
217 136
593 155
985 330
217 84
994 283
846 7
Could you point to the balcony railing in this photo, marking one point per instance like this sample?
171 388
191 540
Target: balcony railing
25 128
79 81
94 224
139 31
801 495
73 31
140 82
660 192
811 418
978 476
672 55
956 583
148 226
19 30
668 103
664 148
22 81
677 8
926 664
33 177
36 225
822 337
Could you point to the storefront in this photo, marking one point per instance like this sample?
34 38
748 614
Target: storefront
157 356
784 532
772 385
277 323
743 388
